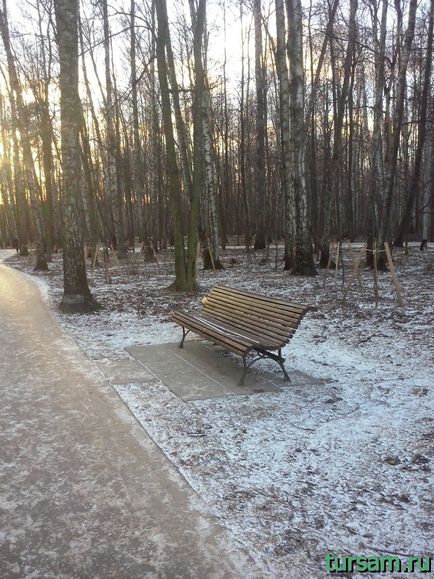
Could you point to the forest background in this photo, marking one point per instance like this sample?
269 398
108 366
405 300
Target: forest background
198 122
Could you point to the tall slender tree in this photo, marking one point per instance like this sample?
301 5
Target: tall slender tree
391 160
285 133
260 177
303 255
21 122
76 293
111 160
174 174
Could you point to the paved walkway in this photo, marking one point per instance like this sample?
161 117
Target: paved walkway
84 492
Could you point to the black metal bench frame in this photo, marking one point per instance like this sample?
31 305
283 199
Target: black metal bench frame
261 355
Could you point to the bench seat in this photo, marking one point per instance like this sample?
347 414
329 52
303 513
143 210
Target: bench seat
244 323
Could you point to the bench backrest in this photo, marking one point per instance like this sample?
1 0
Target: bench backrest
270 317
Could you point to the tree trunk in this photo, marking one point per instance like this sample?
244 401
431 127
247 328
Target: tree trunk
198 22
303 255
174 176
377 160
428 189
285 134
137 169
414 183
111 159
76 294
260 130
392 156
211 258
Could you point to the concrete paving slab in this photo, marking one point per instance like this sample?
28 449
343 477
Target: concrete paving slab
124 371
202 370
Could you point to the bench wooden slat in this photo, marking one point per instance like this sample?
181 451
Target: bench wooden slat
269 314
236 333
263 304
277 301
261 339
188 321
258 316
219 339
250 321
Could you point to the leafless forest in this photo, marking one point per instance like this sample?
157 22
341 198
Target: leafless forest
194 124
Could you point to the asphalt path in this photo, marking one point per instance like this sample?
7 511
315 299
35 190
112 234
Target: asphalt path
84 491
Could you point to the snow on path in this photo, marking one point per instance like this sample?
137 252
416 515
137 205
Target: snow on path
5 253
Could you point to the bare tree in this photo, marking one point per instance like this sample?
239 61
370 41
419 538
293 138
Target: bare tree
392 150
303 255
260 178
22 123
76 293
111 147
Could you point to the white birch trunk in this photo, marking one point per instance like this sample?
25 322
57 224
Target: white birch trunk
428 190
76 294
284 117
303 254
211 184
111 162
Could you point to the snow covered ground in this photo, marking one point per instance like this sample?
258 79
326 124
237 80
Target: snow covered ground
345 466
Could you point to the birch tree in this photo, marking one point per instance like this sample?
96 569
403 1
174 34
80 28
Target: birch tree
111 141
285 135
302 251
260 177
76 293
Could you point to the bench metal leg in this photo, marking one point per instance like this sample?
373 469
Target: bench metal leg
184 333
265 354
243 375
281 363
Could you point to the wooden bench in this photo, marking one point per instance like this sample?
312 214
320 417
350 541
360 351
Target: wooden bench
244 323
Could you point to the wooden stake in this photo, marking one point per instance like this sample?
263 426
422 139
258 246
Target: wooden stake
327 268
337 260
375 275
108 278
95 257
211 257
114 255
350 247
394 276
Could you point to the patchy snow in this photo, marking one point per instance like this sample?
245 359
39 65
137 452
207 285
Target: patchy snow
43 286
345 466
5 253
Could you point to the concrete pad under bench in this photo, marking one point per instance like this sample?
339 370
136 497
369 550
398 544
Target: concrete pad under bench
202 370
